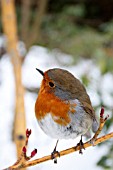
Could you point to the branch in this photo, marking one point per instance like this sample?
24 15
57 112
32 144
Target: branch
24 162
34 33
26 7
68 151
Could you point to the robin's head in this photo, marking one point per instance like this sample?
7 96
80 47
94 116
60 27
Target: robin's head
60 82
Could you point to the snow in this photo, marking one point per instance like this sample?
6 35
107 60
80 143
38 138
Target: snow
39 57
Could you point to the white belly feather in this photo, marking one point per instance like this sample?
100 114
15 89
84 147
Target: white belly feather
79 125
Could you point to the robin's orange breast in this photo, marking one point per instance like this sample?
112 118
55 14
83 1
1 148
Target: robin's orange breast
47 103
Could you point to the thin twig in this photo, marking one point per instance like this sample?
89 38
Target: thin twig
26 9
36 26
101 125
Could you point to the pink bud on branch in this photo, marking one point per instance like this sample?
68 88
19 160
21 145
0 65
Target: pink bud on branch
102 112
106 117
24 149
33 153
28 133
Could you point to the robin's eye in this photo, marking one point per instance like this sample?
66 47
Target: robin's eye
51 84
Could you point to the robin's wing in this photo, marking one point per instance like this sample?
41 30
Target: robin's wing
89 109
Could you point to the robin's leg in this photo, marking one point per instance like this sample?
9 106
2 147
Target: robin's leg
81 144
55 152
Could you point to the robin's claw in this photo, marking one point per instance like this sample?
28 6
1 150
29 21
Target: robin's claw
81 145
54 154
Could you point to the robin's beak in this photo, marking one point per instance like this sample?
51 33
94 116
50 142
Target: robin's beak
40 71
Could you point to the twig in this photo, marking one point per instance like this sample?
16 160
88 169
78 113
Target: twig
26 7
36 26
23 157
24 162
101 125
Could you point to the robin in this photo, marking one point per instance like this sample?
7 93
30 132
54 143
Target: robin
63 108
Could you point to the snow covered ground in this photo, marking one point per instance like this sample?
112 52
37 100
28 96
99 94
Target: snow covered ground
43 59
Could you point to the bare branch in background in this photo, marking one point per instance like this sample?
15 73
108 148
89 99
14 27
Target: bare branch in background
25 15
35 30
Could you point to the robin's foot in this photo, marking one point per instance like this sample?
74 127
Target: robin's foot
81 144
54 153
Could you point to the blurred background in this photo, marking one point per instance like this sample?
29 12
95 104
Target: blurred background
76 35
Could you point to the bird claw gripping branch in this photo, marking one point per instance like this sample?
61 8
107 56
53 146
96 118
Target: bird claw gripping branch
53 155
81 145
